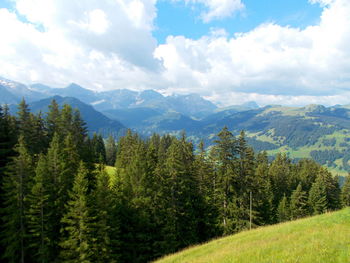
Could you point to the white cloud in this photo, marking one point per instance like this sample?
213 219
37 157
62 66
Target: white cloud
109 44
218 9
105 42
96 22
270 60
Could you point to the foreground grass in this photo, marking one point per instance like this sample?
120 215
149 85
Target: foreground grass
323 239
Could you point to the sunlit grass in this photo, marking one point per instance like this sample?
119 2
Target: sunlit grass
323 239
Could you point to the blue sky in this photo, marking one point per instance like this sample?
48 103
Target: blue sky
179 18
229 51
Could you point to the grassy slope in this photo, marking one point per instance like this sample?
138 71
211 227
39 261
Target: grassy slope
324 238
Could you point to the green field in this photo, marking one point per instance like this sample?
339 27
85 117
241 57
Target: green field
323 239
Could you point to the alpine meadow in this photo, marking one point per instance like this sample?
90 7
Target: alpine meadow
187 131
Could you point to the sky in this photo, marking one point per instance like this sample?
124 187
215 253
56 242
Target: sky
291 52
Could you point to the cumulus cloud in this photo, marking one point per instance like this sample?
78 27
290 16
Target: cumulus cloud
109 44
217 9
270 60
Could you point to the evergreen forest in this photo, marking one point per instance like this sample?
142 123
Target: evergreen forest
59 203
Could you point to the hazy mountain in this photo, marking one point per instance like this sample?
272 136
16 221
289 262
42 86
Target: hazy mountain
16 91
6 96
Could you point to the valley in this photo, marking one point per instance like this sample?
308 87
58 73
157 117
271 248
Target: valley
313 131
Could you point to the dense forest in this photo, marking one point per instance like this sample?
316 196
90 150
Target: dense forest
59 204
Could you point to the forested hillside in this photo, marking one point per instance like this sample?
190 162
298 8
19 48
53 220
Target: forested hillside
58 203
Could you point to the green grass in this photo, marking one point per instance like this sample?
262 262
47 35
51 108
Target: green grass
323 239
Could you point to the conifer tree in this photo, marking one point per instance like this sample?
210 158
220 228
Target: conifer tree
345 192
38 216
283 211
102 205
98 148
76 223
318 197
206 185
183 195
7 140
263 191
298 203
66 121
26 127
244 184
79 133
331 185
70 163
53 121
224 154
280 174
111 151
16 187
55 166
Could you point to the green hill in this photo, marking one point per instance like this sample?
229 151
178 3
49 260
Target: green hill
323 238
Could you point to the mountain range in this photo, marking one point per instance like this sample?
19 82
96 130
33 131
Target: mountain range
313 131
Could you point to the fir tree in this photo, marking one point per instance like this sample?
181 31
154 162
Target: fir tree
38 217
224 154
102 205
263 193
345 192
283 211
27 127
76 223
298 203
16 188
332 188
55 166
318 197
111 151
53 121
280 174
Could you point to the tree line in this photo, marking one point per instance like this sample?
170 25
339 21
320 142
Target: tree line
59 204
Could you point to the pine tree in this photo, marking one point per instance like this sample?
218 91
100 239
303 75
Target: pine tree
263 193
345 192
76 223
69 159
7 140
280 174
298 203
244 184
55 163
53 122
224 154
66 121
102 204
332 188
183 197
318 197
208 213
16 187
283 211
27 127
79 133
98 148
111 151
38 216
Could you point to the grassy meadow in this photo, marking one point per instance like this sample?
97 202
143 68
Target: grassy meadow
324 239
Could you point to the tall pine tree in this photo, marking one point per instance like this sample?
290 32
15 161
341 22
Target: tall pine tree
77 222
16 187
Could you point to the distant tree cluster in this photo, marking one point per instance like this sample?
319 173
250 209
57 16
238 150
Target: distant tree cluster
58 204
